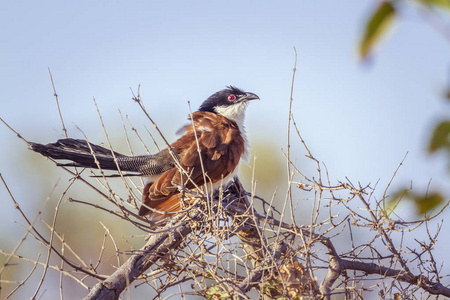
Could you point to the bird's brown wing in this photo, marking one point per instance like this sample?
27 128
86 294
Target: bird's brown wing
219 149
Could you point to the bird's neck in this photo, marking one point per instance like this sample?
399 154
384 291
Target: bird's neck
236 113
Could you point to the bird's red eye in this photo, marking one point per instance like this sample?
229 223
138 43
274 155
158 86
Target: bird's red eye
231 98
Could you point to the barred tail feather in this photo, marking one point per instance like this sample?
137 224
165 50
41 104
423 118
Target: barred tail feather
80 152
87 155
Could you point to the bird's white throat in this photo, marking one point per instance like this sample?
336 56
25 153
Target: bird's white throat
236 113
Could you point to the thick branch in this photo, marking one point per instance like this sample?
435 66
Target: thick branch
157 247
423 282
333 273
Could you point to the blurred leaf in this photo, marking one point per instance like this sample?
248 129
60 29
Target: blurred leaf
440 137
425 203
394 201
376 27
443 4
269 168
422 202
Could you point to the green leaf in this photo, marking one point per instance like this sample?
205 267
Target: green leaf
443 4
376 26
394 201
440 137
214 292
425 203
422 202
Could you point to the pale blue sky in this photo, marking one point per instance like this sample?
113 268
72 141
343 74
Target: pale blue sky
360 119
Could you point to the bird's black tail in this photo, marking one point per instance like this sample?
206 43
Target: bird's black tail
81 153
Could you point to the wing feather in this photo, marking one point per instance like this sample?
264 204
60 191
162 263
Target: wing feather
220 147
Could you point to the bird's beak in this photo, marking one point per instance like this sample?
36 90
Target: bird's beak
248 97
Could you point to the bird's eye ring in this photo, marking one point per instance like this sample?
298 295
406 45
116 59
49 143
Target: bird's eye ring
231 98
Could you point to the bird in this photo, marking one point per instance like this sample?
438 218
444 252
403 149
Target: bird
210 150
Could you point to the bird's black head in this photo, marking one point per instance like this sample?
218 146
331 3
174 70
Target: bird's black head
230 102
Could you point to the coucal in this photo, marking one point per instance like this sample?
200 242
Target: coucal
210 149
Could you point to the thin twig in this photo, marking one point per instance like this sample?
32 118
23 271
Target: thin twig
57 104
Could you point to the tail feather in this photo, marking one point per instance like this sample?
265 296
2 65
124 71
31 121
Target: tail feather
82 153
87 155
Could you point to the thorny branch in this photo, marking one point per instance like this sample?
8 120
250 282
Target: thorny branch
275 265
157 247
225 247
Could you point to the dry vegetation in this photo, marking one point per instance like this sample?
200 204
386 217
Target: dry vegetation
234 244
